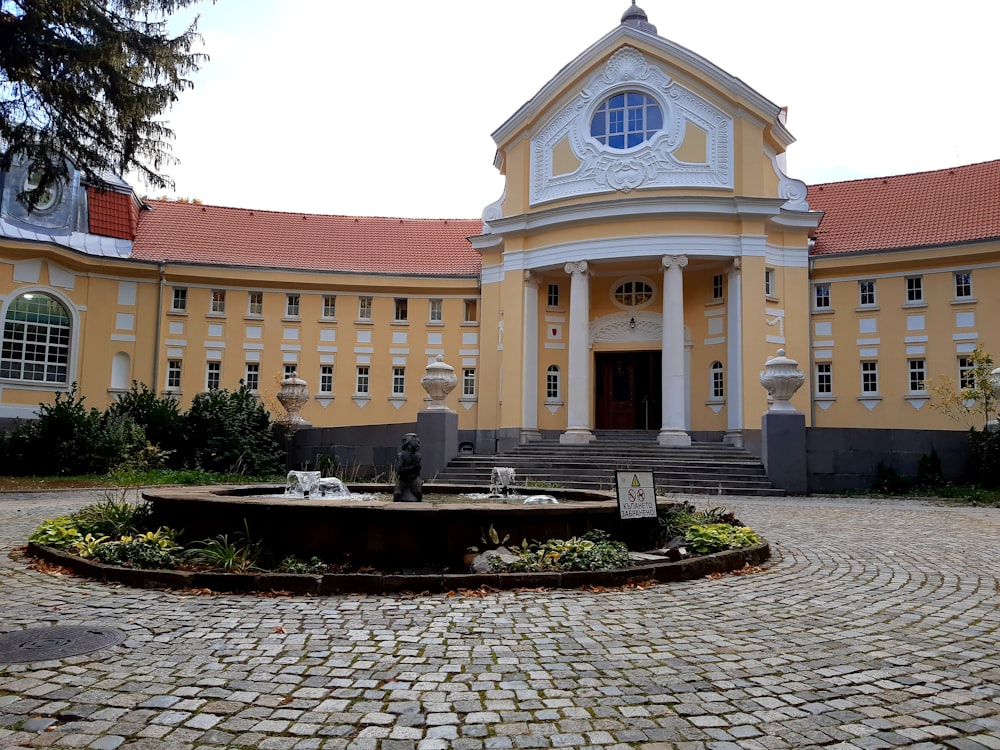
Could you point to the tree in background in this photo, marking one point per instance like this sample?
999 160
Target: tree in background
86 81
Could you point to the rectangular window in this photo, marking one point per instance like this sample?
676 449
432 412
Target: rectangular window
251 378
769 282
468 382
290 370
717 280
400 310
213 376
822 299
866 293
470 313
824 378
218 301
362 380
326 379
292 302
918 376
398 381
330 306
173 373
966 373
553 296
963 285
435 311
914 288
364 308
869 377
255 304
180 299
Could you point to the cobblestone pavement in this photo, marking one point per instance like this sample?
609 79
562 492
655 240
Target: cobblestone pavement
875 625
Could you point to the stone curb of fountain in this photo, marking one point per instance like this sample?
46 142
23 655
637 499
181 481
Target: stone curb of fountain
386 583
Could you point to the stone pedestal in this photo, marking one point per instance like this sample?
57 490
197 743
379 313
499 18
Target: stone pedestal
438 431
783 450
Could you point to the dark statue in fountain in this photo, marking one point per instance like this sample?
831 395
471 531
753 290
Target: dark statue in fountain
409 485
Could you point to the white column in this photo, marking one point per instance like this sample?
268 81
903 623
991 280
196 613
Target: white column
578 389
529 380
734 355
672 431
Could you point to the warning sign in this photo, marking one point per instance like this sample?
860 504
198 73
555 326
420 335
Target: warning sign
636 494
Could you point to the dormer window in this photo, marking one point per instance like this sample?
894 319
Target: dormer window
626 120
44 200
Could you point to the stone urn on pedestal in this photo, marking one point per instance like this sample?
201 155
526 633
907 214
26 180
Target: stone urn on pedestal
439 380
781 378
293 395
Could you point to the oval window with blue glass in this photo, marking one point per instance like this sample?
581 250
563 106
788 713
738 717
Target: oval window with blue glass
626 120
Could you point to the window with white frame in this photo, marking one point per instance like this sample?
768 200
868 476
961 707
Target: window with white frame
633 293
292 305
717 286
435 311
329 306
963 285
718 381
400 309
470 311
179 301
468 382
398 381
218 305
770 283
552 299
326 378
626 119
364 308
869 376
866 293
251 376
213 376
255 304
37 332
914 288
824 378
290 370
821 298
966 373
173 373
552 383
362 380
918 376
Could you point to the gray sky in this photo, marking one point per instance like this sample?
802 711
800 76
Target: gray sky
386 108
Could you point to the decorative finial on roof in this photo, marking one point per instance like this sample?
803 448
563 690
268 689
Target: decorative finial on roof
636 18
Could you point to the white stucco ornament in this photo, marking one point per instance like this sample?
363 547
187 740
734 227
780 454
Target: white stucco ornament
293 395
439 380
781 378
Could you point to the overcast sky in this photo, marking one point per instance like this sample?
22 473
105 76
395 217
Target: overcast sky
386 108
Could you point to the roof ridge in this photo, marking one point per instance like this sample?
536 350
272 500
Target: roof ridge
878 178
157 201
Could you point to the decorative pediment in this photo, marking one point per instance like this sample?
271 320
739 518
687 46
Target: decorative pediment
693 147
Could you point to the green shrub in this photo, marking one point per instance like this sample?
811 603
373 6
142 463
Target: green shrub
675 520
292 564
592 551
984 445
153 549
239 554
717 537
58 533
113 517
159 417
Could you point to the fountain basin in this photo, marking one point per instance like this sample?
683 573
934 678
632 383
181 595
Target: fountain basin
383 534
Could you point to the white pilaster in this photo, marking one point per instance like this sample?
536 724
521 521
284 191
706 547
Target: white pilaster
529 381
734 355
672 431
578 388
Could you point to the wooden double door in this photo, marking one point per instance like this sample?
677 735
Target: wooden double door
628 390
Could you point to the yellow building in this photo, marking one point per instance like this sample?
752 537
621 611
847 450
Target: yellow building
648 255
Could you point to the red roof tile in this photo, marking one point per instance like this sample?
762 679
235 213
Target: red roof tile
961 204
193 233
111 214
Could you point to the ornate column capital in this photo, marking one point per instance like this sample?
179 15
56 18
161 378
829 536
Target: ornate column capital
674 261
579 266
736 266
531 279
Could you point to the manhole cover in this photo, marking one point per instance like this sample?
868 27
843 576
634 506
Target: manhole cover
56 642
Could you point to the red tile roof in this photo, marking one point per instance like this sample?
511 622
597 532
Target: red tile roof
193 233
961 204
111 214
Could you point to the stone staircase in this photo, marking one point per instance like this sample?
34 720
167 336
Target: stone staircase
702 468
